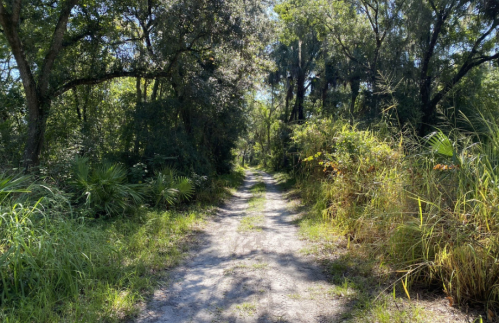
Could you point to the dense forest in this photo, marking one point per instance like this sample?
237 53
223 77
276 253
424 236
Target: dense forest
123 122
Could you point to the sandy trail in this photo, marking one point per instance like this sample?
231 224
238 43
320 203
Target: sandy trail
253 276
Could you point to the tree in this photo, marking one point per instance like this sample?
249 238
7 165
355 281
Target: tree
296 54
92 42
451 42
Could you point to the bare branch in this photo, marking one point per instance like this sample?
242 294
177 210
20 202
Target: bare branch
375 29
485 35
465 68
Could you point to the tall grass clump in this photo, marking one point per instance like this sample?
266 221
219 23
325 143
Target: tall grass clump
456 239
55 266
43 258
426 206
60 261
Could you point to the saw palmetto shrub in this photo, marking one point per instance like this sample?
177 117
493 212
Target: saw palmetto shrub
104 188
168 188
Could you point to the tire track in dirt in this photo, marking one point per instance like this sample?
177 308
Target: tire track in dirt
249 276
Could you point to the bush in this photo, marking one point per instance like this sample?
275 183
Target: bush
431 212
355 178
168 188
104 189
217 188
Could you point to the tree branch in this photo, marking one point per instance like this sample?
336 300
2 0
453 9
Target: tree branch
100 79
55 46
370 18
481 38
432 4
465 68
9 26
76 38
16 10
137 73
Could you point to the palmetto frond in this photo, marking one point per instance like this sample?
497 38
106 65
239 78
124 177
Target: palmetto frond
441 144
105 188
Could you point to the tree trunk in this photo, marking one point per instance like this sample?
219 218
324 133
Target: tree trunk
427 108
298 113
425 79
300 94
37 122
289 97
38 98
354 86
146 83
155 88
77 104
324 98
137 125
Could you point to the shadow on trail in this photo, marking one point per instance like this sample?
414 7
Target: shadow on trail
258 276
245 290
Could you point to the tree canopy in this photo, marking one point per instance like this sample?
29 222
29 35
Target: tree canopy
130 81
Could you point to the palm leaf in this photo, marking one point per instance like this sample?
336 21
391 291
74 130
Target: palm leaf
185 187
441 144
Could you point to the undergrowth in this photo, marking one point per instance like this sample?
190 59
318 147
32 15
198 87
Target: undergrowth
425 209
62 259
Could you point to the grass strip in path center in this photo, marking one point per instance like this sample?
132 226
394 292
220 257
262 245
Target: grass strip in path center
255 218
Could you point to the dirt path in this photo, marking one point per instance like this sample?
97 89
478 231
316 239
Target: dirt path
256 275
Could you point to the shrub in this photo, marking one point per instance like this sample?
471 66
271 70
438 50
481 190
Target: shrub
168 188
104 189
356 178
431 213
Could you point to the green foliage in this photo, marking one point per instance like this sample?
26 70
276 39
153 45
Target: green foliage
9 185
257 188
167 187
104 188
46 259
218 188
430 213
441 144
58 267
355 176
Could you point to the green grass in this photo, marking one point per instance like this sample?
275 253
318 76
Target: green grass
285 181
251 223
418 211
257 266
77 270
246 309
254 220
359 280
260 266
258 188
59 266
257 200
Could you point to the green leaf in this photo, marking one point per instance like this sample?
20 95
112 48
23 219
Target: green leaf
441 144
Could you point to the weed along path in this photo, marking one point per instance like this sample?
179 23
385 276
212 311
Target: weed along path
247 268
